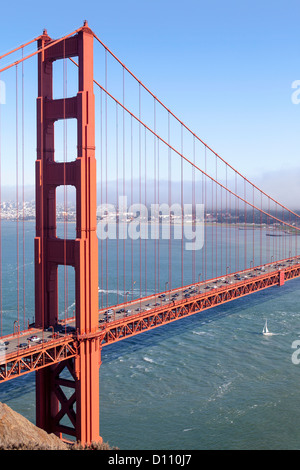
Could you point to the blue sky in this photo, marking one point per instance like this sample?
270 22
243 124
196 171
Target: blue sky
225 68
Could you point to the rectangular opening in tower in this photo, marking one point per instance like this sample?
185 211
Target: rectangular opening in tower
66 212
65 78
65 140
66 292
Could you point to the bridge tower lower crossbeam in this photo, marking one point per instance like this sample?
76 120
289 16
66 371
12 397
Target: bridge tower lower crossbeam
81 404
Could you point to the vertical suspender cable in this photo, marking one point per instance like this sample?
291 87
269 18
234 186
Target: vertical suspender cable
235 231
217 224
119 222
146 212
194 213
261 230
221 231
182 212
23 188
158 202
203 204
124 190
17 195
245 227
101 193
212 230
170 203
140 187
253 230
1 307
205 219
131 199
154 216
230 261
228 225
106 160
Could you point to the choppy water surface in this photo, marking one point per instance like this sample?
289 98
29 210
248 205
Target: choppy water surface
211 381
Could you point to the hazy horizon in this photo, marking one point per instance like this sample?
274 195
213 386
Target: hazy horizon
283 186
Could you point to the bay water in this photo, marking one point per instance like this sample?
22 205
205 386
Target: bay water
210 381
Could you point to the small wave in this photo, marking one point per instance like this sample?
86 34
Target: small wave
135 292
223 388
69 308
202 333
110 291
148 359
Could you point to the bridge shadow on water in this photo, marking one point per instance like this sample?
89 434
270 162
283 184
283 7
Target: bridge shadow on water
26 385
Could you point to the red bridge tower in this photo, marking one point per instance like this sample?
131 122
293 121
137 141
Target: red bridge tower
81 406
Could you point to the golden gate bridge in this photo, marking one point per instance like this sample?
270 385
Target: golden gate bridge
160 218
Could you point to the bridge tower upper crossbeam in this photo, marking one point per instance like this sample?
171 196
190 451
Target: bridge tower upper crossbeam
82 408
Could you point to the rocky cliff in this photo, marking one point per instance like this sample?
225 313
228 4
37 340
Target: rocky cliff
16 432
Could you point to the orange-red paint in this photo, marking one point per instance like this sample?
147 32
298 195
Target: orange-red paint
81 253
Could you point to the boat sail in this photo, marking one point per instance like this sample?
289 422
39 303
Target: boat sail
265 330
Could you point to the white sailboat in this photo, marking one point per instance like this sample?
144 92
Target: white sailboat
265 331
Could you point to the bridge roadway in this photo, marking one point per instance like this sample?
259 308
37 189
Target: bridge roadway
34 348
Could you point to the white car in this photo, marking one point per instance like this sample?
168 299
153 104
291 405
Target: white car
34 338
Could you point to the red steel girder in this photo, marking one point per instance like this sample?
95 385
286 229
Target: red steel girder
139 323
33 359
